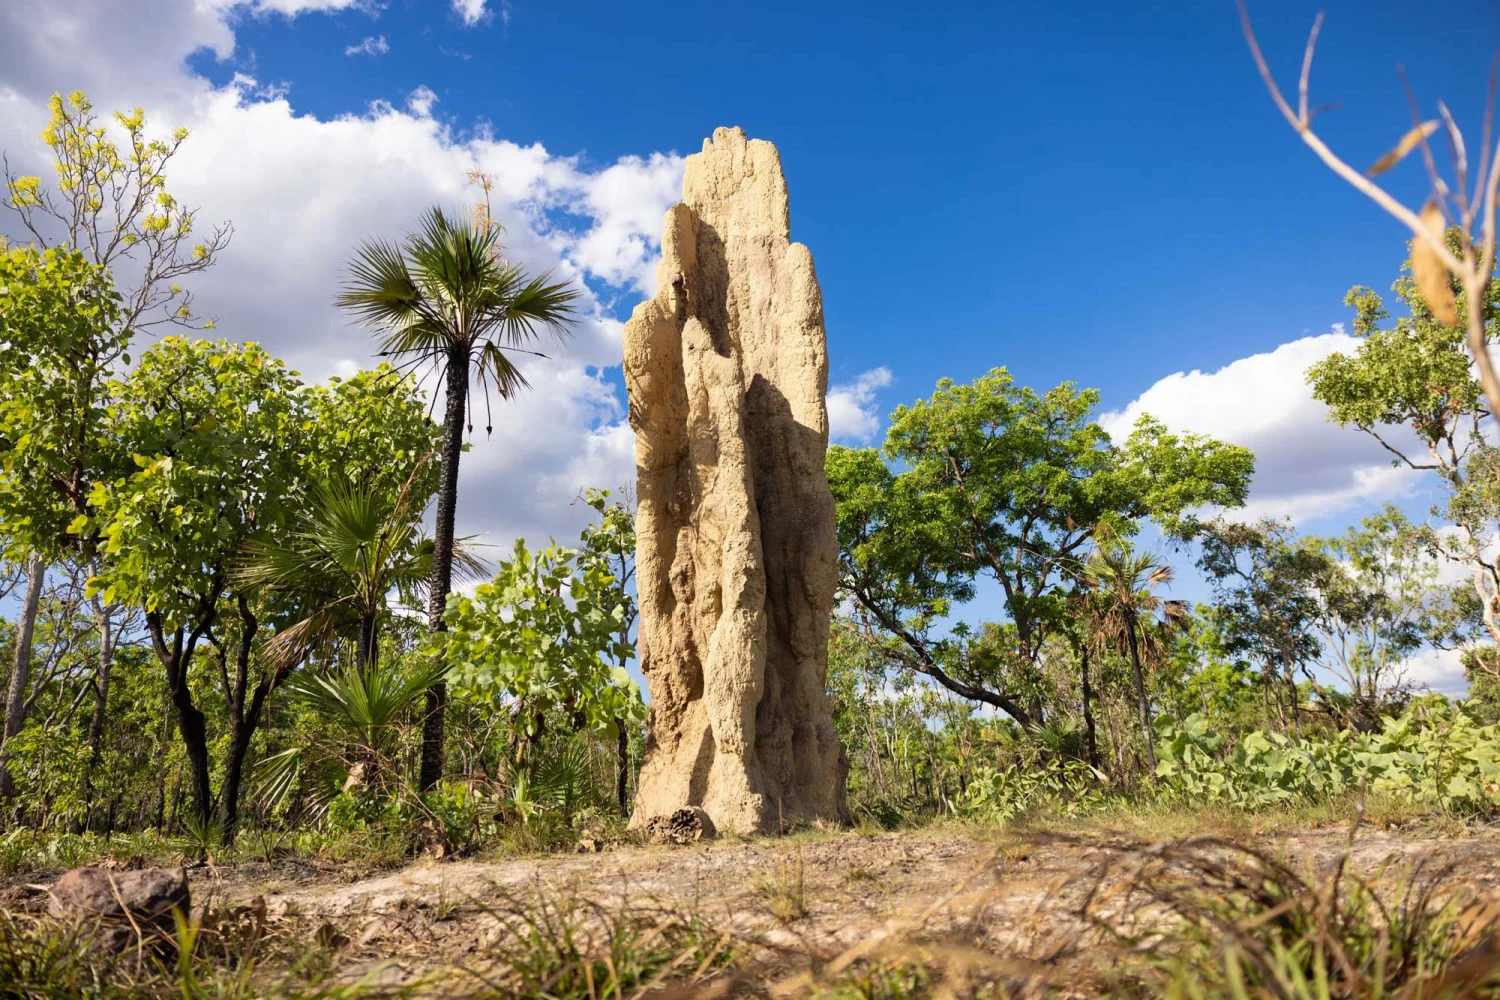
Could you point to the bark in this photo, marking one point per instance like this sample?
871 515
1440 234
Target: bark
241 723
442 558
101 699
1090 733
1140 693
622 779
369 638
20 671
176 653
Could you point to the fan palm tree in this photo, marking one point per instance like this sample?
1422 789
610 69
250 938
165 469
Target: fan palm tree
366 706
355 548
1125 616
445 300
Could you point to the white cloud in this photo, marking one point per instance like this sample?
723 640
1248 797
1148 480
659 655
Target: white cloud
471 12
627 202
1305 466
374 45
286 8
1440 670
852 412
302 192
420 101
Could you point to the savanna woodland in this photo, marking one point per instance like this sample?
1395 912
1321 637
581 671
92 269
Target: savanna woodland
248 652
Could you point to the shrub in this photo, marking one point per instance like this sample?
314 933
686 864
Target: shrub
1434 756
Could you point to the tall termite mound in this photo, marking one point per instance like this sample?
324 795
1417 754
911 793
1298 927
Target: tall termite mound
727 367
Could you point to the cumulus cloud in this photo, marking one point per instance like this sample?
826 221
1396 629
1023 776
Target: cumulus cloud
471 12
626 202
302 192
420 101
852 412
374 45
1439 670
1305 466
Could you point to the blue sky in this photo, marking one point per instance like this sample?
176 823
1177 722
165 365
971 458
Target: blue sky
1080 190
1089 191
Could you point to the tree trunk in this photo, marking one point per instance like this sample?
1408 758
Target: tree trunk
622 780
244 719
1291 693
175 660
442 557
1147 730
369 637
1090 733
20 671
101 700
195 741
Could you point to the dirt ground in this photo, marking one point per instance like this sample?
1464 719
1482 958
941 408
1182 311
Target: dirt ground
1025 888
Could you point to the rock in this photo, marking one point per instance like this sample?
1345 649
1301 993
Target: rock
127 908
687 825
726 368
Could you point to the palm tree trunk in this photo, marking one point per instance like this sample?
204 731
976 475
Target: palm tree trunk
442 557
1090 733
368 639
1147 729
20 671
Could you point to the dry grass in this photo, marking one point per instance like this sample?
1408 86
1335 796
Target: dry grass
1080 913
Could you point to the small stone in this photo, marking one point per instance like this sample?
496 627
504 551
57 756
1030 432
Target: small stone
129 909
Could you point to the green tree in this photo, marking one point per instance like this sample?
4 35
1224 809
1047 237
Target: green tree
354 538
543 639
60 336
446 299
609 545
1126 616
1410 386
372 430
1375 598
108 208
215 428
1265 586
1002 482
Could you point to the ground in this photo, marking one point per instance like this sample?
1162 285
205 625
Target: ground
818 894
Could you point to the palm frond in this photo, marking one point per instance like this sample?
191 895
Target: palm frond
366 703
294 643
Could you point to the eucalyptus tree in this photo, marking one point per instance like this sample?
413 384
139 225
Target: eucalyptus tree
445 299
1377 597
1266 590
999 481
1411 388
